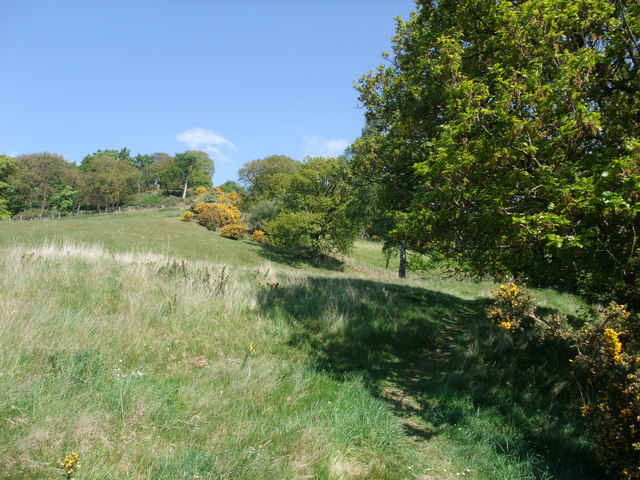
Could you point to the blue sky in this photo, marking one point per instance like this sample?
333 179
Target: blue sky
240 79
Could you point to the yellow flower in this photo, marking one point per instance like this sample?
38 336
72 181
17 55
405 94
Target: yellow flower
585 410
508 326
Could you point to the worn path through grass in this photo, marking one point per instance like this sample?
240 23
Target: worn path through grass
351 374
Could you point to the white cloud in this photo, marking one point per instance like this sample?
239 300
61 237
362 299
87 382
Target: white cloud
200 139
323 147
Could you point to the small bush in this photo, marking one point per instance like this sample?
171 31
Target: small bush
216 213
201 191
604 353
187 216
150 199
213 226
232 198
235 231
259 236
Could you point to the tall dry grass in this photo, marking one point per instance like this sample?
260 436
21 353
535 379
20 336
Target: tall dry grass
142 365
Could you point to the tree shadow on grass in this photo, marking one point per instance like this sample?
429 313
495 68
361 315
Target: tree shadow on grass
298 260
438 362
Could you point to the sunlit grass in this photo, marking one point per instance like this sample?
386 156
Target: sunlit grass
141 363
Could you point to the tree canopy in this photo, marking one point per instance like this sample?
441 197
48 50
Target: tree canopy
505 135
124 154
316 208
37 177
107 181
195 167
266 178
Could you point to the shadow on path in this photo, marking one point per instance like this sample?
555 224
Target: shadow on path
439 363
297 260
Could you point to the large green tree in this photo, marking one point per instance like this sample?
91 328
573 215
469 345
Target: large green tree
195 169
317 206
107 181
507 137
266 178
37 177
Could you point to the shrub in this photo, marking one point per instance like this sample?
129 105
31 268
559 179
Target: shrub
606 362
201 191
213 226
235 231
152 199
259 236
216 213
187 216
4 210
215 195
296 231
263 212
232 198
512 305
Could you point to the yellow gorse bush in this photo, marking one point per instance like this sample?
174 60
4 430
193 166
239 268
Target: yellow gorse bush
612 340
228 198
201 191
235 231
511 305
258 236
216 213
70 464
606 362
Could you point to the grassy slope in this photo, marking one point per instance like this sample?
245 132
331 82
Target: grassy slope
143 365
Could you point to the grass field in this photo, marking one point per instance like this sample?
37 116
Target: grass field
156 349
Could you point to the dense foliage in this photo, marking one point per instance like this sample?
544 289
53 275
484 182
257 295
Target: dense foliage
213 215
306 206
107 181
505 135
36 183
605 362
234 231
267 177
7 166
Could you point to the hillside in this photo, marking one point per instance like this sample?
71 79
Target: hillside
157 349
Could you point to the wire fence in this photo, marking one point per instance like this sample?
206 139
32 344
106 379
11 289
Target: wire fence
27 217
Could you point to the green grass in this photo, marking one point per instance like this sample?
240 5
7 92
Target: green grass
141 363
159 231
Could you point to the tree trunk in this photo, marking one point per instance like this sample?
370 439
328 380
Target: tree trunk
184 192
402 270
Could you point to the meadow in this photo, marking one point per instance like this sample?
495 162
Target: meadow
156 349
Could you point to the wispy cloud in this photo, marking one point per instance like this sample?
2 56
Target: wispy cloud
198 138
324 147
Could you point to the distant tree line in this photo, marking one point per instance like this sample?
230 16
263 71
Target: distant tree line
104 179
